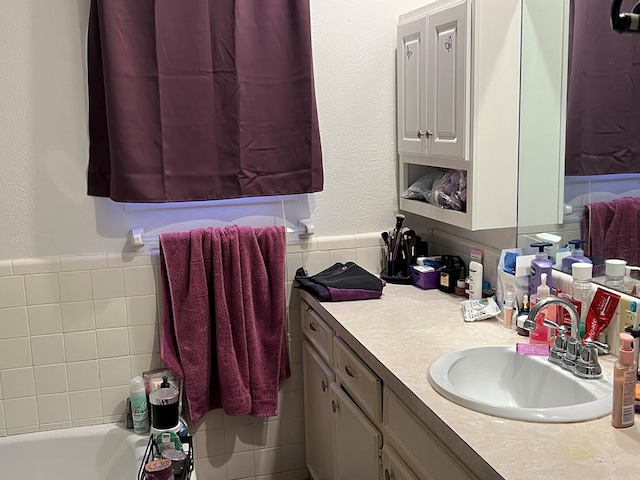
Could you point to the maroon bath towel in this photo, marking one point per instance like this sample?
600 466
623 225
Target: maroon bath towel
235 296
613 230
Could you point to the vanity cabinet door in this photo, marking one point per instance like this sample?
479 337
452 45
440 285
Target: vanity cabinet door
412 87
447 82
393 467
317 414
357 443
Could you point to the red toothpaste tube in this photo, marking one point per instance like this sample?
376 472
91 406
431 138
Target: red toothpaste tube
600 313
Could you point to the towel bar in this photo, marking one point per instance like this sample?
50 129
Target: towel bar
138 239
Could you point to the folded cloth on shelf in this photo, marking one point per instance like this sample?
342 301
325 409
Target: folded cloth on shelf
341 282
612 230
224 317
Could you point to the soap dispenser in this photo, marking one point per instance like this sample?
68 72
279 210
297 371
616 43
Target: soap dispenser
539 265
541 334
577 255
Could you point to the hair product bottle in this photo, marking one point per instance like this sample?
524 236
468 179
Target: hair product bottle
624 384
139 410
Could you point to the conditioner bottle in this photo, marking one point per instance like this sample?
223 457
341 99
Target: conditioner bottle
624 384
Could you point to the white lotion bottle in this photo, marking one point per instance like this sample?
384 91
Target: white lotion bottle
475 280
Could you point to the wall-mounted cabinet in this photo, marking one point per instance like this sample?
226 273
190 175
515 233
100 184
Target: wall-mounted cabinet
458 91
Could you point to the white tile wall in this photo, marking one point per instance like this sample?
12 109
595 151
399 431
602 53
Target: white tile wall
74 330
14 322
51 379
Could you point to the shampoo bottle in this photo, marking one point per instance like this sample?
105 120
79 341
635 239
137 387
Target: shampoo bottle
539 265
541 334
624 384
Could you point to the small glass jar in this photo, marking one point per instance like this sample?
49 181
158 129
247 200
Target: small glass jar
159 469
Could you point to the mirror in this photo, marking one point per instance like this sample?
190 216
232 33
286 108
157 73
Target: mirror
550 202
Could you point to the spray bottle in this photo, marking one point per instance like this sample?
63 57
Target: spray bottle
139 411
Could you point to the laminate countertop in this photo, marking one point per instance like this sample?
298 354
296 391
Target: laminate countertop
400 334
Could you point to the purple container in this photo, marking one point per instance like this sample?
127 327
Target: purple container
424 280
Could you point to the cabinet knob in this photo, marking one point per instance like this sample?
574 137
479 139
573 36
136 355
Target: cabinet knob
333 406
427 134
387 475
324 386
313 327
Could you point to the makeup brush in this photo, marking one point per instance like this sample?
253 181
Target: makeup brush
397 235
399 220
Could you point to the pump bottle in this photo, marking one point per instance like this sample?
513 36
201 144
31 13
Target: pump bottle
624 384
539 265
577 255
541 334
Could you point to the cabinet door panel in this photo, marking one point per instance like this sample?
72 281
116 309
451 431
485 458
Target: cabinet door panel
447 82
357 442
393 467
421 449
411 89
317 414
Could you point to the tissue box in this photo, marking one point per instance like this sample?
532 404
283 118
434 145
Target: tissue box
424 280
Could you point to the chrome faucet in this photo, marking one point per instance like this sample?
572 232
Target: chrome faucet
569 353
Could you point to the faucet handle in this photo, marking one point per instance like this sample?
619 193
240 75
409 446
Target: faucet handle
603 347
559 348
574 349
587 365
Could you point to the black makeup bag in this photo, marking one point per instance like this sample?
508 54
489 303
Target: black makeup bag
340 282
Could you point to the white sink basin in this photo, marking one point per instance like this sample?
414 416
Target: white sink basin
497 381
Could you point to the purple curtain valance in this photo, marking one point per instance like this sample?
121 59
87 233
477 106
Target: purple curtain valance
201 99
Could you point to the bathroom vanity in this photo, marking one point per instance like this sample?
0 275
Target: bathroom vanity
371 413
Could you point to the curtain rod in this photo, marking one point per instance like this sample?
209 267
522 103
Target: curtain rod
137 238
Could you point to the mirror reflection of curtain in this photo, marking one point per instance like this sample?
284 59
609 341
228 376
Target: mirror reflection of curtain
603 106
201 100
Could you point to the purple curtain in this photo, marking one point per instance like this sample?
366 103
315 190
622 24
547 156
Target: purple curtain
603 108
201 99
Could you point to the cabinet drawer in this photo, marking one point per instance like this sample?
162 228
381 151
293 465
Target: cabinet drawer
358 379
422 450
318 332
393 467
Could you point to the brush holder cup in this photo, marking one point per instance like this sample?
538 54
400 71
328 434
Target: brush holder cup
397 262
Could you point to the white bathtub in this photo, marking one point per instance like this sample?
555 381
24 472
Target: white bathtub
101 452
